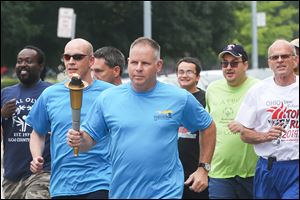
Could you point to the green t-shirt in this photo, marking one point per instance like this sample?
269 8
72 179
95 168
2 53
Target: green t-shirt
232 157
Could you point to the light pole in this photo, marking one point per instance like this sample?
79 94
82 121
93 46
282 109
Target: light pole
147 19
254 36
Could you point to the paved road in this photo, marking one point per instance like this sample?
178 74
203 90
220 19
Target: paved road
1 169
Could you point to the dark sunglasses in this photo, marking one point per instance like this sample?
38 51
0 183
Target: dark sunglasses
76 57
233 64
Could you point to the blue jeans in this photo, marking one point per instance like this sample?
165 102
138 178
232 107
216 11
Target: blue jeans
231 188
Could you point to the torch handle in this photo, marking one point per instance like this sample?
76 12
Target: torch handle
76 125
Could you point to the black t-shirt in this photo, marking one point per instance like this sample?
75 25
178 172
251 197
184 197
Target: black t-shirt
188 143
16 132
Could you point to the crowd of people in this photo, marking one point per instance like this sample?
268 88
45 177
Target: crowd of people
239 139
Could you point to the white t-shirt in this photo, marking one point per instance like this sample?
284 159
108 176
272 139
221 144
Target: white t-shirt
267 104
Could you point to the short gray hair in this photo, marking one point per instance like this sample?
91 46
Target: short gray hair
147 41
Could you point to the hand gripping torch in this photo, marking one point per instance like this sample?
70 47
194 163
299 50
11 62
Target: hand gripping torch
76 86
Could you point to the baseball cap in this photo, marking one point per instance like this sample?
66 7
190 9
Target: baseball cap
295 42
235 50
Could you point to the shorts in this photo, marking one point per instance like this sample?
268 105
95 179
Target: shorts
35 186
276 179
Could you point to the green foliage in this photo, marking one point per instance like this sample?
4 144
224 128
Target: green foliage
282 21
185 28
182 28
16 27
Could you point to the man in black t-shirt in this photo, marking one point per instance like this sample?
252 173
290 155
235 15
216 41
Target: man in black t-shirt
188 73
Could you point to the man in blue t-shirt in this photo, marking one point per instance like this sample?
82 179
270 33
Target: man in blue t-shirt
109 65
16 102
88 175
142 120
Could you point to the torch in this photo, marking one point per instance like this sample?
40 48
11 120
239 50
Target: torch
76 86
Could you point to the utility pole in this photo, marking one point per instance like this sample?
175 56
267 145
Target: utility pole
254 35
147 19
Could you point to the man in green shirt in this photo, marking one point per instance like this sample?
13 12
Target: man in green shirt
233 163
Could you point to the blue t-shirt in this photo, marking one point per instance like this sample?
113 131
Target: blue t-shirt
16 132
143 128
90 171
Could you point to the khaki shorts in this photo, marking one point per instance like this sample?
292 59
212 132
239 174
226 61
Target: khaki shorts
35 186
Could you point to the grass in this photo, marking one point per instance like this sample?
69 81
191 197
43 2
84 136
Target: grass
8 81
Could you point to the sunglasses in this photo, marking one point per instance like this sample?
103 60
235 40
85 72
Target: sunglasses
283 57
233 64
76 57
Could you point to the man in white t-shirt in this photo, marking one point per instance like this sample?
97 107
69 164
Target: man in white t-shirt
270 118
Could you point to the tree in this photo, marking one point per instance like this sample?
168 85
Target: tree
185 28
16 29
182 28
282 22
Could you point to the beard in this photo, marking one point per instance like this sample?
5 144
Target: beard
28 77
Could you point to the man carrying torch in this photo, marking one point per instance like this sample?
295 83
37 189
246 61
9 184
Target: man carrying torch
87 175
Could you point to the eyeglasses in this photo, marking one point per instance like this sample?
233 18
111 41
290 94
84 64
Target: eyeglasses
187 72
283 57
76 57
233 64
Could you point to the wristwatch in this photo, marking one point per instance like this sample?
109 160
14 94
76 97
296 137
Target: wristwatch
206 166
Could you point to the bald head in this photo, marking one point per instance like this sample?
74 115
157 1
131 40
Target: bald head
282 60
80 45
78 58
281 44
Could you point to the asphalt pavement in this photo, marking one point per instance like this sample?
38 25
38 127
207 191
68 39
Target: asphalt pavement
2 197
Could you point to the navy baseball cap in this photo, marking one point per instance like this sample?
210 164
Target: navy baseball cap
235 50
